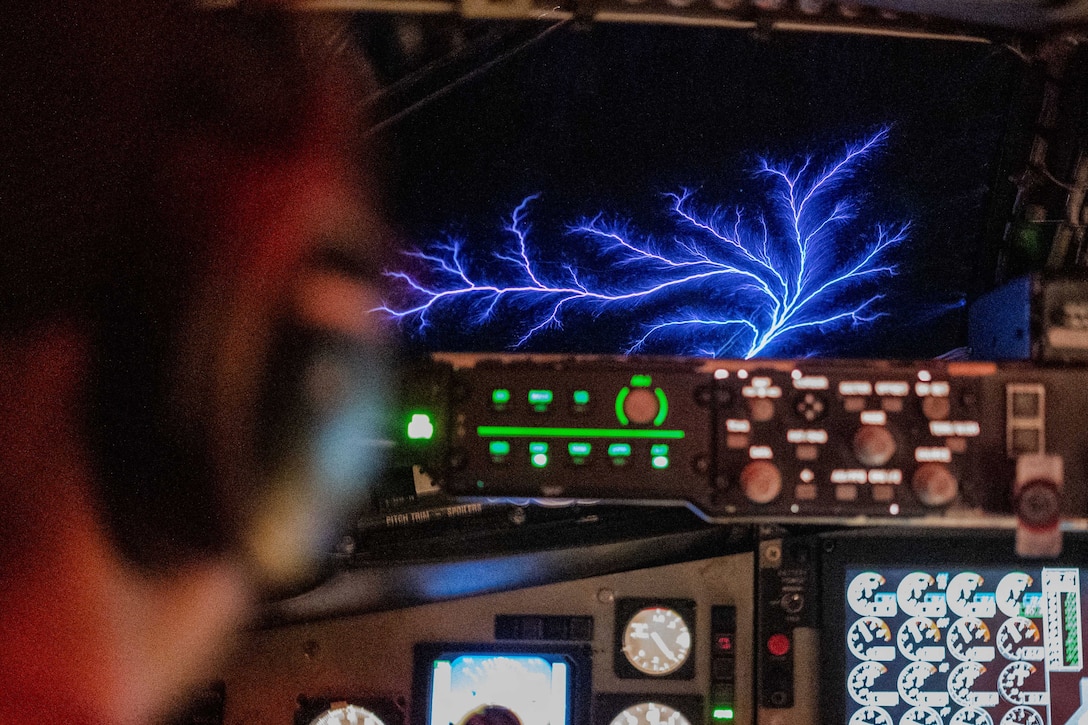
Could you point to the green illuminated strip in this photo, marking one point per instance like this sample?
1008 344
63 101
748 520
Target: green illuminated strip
723 713
514 431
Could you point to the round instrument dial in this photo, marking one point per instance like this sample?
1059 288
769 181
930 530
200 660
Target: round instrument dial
344 714
650 713
656 641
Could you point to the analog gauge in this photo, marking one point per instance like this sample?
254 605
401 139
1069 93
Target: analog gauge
919 596
650 713
969 640
656 641
871 716
918 684
345 714
965 598
865 687
1019 638
919 639
971 716
961 683
1022 716
1022 683
921 716
870 638
1010 593
866 599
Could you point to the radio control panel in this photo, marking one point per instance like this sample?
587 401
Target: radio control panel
766 440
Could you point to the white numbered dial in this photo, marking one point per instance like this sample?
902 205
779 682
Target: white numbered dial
657 641
650 713
345 714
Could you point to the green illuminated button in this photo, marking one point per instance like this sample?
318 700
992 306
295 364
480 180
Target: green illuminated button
578 449
499 448
540 397
500 396
581 397
420 427
619 449
659 449
660 462
641 381
722 713
538 454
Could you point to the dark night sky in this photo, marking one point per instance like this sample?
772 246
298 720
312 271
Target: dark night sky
609 117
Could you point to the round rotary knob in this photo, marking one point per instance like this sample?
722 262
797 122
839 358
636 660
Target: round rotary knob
1038 504
935 485
761 481
641 406
874 445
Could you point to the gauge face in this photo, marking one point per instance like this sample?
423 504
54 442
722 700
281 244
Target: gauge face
1019 638
1022 716
919 596
650 713
1022 683
920 685
656 641
971 716
1010 593
871 716
919 639
865 686
347 715
921 716
966 598
870 638
961 683
969 640
866 599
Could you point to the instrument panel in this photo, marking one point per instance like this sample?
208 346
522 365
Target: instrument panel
665 644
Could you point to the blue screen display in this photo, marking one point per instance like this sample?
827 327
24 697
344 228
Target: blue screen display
959 646
499 689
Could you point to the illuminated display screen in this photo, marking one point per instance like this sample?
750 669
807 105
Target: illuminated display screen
695 191
965 646
500 689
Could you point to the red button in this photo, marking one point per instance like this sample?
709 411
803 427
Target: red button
778 645
725 643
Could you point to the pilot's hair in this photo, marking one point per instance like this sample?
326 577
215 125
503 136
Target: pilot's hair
97 100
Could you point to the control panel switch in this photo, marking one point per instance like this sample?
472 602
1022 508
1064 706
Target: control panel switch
1037 503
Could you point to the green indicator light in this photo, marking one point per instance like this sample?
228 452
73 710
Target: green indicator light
540 397
660 462
722 713
540 460
581 397
619 449
578 449
538 447
621 414
641 381
500 396
499 448
420 427
517 431
659 449
663 406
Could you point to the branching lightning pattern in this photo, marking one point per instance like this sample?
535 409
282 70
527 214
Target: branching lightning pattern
723 282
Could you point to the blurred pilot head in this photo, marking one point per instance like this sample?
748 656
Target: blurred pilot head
187 243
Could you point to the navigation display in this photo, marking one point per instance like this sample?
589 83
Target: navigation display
948 645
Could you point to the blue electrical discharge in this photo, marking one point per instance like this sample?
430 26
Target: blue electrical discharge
727 284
